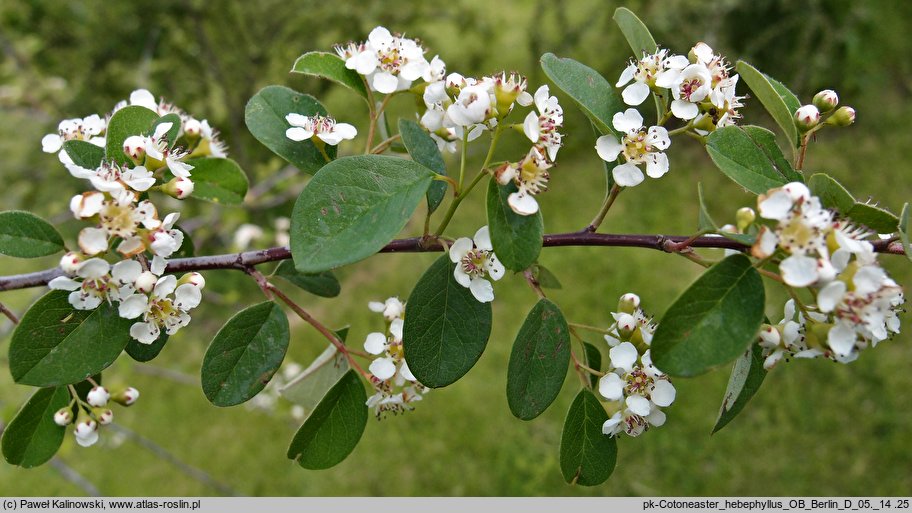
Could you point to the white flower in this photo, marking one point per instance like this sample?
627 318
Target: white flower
111 177
644 74
475 259
473 105
167 307
86 432
324 128
389 62
391 309
638 146
530 176
78 129
92 290
542 127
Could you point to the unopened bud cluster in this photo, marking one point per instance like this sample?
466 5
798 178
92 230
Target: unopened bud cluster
93 412
823 110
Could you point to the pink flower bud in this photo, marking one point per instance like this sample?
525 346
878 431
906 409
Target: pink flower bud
192 127
826 100
145 282
193 278
844 116
70 262
126 397
135 147
63 417
807 117
178 187
628 303
98 397
104 415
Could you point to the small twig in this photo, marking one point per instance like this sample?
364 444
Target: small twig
606 206
261 281
9 314
594 329
173 375
380 148
580 365
534 284
70 474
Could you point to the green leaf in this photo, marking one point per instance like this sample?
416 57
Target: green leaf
706 222
713 321
545 278
831 193
25 235
771 99
84 154
586 87
352 208
130 120
766 141
334 428
309 387
874 218
539 361
517 239
635 32
32 437
322 284
218 180
146 352
265 118
424 151
331 67
446 328
171 134
742 158
904 227
245 354
587 457
791 101
746 377
57 345
593 361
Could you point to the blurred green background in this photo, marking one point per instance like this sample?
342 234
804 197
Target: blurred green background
815 428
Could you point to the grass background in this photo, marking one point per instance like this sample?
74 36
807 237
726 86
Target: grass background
815 428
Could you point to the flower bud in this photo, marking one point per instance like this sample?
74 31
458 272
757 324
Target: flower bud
844 116
104 415
126 397
86 430
826 100
193 278
70 262
626 324
807 117
98 397
135 147
745 217
145 282
628 303
192 128
178 187
769 336
64 416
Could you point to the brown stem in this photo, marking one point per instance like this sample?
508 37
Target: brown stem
380 148
9 314
534 284
606 206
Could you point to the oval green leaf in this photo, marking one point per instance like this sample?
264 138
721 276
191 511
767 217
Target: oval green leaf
334 428
245 354
713 321
766 141
741 157
875 218
539 361
587 457
218 180
32 438
904 231
746 377
593 361
586 87
57 345
771 99
831 193
130 120
424 151
322 284
352 208
446 328
517 239
84 154
146 352
265 117
25 235
331 67
635 32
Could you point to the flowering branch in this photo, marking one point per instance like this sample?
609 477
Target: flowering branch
242 261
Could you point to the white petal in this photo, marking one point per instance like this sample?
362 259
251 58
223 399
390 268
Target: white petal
656 165
656 417
523 204
830 296
766 243
385 83
666 79
178 168
143 98
376 306
495 269
461 277
611 386
608 148
93 268
396 328
158 265
133 306
295 119
628 120
482 239
623 356
626 75
406 373
627 175
841 339
663 393
346 131
684 110
482 290
51 143
777 205
375 343
799 270
164 286
459 248
869 279
93 240
330 138
383 368
145 332
187 296
612 426
635 93
531 127
297 133
64 283
658 136
126 271
639 405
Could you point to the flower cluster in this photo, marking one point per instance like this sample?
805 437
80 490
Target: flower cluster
396 387
638 145
390 62
857 303
475 260
93 412
128 225
636 390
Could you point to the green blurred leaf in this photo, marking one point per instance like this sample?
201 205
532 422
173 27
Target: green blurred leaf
424 151
331 67
25 235
904 231
772 100
446 328
831 193
585 86
545 278
334 428
746 377
172 133
538 362
875 218
635 32
593 361
55 344
130 120
32 437
517 239
265 118
742 158
713 321
218 180
322 284
146 352
587 457
84 154
309 387
352 208
245 354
